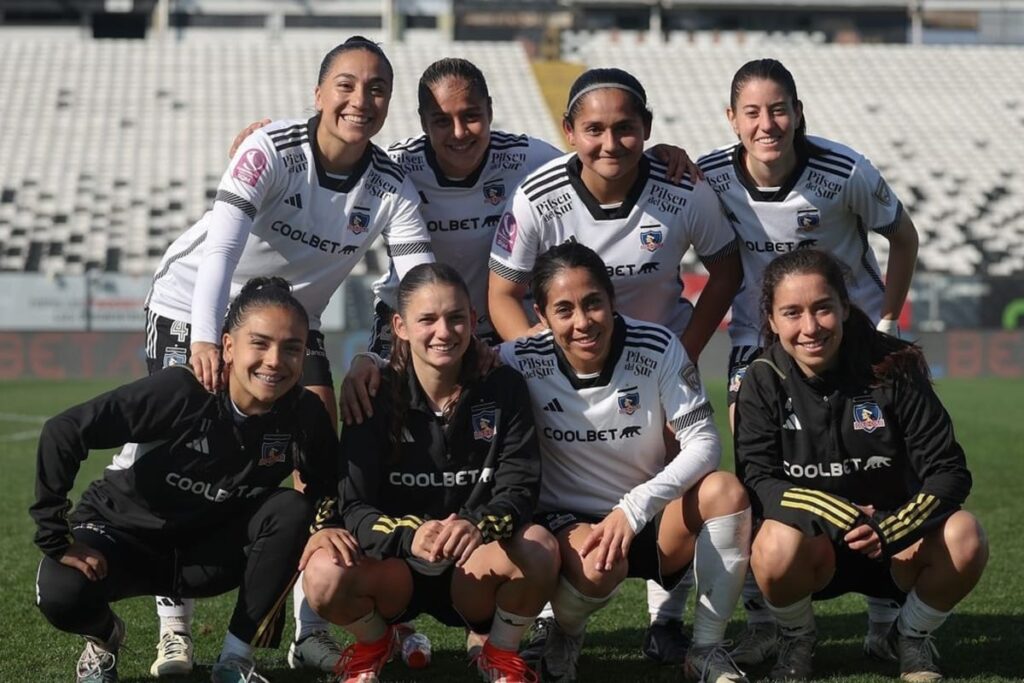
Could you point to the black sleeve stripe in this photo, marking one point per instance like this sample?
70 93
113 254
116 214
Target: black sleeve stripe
660 331
556 184
505 136
643 345
828 169
730 248
542 346
894 226
520 277
234 200
664 180
702 412
536 180
413 145
714 166
834 510
637 338
408 249
511 144
716 156
831 152
393 170
293 143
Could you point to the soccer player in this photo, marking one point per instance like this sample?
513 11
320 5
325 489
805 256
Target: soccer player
303 200
784 190
440 490
192 505
615 199
603 388
852 463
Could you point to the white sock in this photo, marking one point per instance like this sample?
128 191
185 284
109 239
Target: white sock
507 629
306 620
234 648
546 612
753 602
796 619
572 608
663 605
368 628
882 610
918 619
175 615
720 563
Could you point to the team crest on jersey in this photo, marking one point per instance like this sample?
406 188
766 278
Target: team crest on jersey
250 167
175 355
494 192
505 237
651 240
867 417
808 219
691 376
737 379
629 401
483 422
273 449
882 193
359 223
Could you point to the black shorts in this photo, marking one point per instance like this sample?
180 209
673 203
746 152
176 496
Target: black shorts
857 573
740 359
169 342
432 594
644 558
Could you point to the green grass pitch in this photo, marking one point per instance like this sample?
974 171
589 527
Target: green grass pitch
983 641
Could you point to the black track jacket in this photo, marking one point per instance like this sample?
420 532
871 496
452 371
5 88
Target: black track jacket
189 458
809 449
484 465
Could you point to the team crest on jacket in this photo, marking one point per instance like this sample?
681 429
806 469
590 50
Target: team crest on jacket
651 240
629 401
273 449
494 192
359 223
808 219
483 422
867 417
737 379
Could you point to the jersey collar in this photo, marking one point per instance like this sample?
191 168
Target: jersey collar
602 380
444 181
778 195
326 181
574 166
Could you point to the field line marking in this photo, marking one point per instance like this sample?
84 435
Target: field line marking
21 436
19 417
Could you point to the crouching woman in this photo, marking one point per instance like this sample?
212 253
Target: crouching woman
440 488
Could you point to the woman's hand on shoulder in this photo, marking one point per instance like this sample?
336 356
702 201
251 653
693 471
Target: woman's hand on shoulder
678 162
458 539
243 134
609 541
205 361
487 356
358 389
341 545
85 559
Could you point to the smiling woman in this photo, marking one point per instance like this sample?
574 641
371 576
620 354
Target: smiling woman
192 504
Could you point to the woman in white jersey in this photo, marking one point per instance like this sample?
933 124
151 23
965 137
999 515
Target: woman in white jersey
615 199
784 190
302 200
603 388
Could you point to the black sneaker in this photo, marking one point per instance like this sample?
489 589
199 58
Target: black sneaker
666 642
917 657
536 641
796 653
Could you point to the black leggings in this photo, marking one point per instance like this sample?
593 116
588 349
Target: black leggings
256 550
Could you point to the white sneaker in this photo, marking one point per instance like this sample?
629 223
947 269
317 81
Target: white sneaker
317 651
174 655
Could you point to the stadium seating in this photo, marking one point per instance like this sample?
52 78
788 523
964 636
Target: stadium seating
113 148
944 124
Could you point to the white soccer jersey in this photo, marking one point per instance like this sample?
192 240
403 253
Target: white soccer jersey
601 438
832 199
462 215
278 212
642 241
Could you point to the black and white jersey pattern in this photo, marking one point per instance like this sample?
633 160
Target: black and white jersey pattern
601 437
463 215
279 212
830 202
642 241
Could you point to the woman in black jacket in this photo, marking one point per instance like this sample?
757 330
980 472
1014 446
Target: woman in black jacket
439 492
852 464
192 505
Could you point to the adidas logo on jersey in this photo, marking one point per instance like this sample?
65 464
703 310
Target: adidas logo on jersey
553 406
792 422
295 200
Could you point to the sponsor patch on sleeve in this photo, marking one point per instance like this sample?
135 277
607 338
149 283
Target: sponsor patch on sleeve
505 237
250 166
